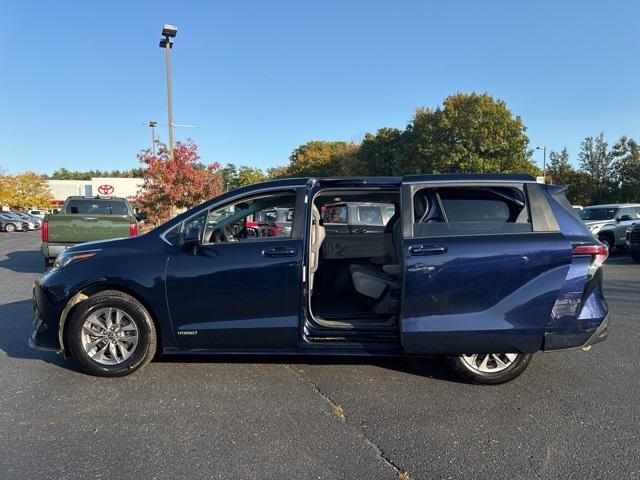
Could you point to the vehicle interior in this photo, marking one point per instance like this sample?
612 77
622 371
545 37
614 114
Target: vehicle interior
355 271
356 260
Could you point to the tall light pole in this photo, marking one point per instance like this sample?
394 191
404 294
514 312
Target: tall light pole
169 32
544 163
153 124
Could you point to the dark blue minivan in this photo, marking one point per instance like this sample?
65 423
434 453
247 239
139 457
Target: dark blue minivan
483 270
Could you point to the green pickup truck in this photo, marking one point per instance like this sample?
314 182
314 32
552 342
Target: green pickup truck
86 219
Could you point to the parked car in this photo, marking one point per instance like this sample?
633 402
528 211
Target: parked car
31 223
609 223
36 222
37 213
84 219
484 270
12 223
633 241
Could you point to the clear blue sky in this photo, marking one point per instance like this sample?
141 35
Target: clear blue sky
260 78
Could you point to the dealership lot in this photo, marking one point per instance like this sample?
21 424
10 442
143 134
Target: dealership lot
571 415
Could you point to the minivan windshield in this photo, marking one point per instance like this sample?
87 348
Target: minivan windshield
598 213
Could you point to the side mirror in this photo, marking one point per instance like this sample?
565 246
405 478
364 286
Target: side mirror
192 237
625 218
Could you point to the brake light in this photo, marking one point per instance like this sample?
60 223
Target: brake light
598 253
133 229
45 231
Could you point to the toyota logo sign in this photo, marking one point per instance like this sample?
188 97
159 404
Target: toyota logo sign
105 189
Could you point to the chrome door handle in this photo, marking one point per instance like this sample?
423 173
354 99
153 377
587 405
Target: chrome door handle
280 252
421 250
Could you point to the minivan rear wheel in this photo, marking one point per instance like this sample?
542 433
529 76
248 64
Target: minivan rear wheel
489 368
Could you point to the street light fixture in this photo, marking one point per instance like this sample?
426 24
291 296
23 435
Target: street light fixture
544 163
169 32
153 124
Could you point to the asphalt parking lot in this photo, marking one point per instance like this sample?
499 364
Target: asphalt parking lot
571 415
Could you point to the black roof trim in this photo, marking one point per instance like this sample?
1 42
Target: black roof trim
454 177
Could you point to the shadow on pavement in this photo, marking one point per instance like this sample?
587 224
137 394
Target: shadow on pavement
24 261
424 367
15 329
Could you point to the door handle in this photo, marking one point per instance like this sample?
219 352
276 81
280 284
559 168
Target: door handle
280 252
420 250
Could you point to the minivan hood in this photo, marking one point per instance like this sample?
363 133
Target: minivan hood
100 244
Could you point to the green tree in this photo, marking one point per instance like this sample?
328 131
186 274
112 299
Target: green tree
596 162
322 158
277 172
469 133
382 153
560 169
25 190
626 168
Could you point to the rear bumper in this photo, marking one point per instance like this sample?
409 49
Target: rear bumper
600 335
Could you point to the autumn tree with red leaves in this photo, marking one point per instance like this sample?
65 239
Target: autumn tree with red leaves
175 184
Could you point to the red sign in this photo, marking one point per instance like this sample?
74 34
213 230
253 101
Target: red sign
105 189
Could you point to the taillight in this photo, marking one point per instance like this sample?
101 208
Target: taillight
133 229
45 231
598 253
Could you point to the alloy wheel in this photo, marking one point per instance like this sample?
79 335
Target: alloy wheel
489 362
10 227
109 336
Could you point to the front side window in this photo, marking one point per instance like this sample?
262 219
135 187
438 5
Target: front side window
250 218
470 210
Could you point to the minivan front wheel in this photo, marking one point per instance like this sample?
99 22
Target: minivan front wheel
111 334
489 368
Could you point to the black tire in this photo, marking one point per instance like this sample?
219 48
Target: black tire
636 257
607 241
10 227
147 339
466 373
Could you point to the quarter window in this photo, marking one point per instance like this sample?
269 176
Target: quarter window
470 210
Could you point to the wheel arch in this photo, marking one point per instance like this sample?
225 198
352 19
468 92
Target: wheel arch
92 290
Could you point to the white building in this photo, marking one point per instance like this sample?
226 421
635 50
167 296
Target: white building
105 186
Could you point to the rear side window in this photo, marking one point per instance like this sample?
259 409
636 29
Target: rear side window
97 207
471 210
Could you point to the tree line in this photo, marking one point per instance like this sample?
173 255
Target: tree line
468 133
604 174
